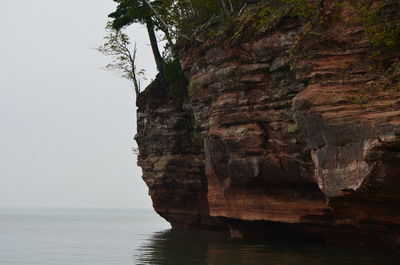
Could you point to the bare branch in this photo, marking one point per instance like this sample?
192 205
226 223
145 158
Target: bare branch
133 66
202 27
231 6
123 62
241 10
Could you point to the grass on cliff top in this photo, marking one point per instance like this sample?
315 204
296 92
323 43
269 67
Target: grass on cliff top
377 16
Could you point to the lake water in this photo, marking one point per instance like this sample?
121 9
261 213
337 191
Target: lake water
140 237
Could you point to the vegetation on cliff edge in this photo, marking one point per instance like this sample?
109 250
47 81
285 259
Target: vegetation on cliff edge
196 20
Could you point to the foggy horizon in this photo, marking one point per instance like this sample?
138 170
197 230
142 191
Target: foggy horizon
67 125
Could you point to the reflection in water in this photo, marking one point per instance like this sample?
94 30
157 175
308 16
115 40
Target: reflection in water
217 248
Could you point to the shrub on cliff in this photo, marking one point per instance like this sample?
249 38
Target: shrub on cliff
199 19
377 17
175 78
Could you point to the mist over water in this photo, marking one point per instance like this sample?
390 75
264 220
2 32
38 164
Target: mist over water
140 237
69 236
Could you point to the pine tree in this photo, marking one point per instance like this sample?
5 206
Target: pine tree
138 11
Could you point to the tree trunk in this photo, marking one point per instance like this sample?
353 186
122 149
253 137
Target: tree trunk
136 84
154 46
167 34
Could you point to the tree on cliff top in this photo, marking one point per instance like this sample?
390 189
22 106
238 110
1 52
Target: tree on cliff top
138 11
174 18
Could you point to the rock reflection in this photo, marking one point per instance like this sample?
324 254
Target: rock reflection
216 248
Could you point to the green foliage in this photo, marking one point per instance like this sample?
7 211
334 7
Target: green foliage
128 12
377 17
182 15
303 9
258 19
117 46
359 99
175 78
265 16
292 128
186 16
192 18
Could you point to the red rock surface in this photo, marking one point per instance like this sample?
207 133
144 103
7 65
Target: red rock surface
172 160
306 137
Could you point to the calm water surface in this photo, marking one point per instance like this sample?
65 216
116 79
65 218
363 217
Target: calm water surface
133 237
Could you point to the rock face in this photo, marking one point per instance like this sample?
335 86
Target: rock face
286 130
171 157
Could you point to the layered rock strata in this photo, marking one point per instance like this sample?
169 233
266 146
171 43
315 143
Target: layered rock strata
171 157
290 129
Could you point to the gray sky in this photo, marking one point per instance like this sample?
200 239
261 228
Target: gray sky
66 126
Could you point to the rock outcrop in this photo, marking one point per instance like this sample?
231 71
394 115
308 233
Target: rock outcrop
171 157
290 128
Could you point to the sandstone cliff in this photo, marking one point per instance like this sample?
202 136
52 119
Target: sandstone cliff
291 126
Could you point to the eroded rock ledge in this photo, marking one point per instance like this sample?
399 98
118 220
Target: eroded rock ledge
271 136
